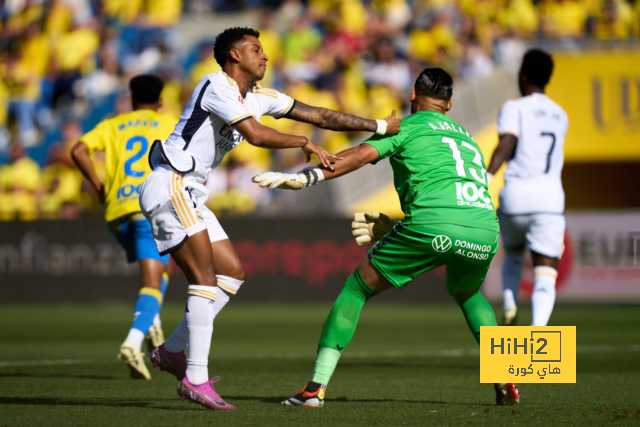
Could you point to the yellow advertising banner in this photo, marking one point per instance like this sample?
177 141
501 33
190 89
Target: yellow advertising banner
528 354
600 91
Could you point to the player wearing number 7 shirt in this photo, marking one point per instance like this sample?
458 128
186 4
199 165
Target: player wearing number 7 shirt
125 141
532 130
440 177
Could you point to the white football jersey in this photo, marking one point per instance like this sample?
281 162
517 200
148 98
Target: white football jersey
205 132
533 175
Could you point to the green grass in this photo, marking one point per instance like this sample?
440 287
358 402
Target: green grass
392 374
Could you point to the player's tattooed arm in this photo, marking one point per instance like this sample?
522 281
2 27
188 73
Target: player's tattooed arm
82 159
335 120
503 152
265 137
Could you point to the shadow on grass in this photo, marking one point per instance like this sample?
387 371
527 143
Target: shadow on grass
106 402
153 403
278 400
86 377
52 401
402 365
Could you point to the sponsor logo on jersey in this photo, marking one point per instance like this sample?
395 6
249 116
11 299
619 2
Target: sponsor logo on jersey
473 246
471 194
441 243
128 191
231 138
472 250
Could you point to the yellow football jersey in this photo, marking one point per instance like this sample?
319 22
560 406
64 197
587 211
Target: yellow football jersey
126 140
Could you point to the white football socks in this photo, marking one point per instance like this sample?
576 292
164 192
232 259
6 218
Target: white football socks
135 337
511 277
221 300
228 284
199 318
178 340
203 304
544 294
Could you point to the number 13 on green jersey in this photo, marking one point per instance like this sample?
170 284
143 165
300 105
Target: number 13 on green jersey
469 193
439 172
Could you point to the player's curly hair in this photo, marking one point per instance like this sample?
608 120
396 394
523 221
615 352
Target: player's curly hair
146 88
537 65
226 39
435 83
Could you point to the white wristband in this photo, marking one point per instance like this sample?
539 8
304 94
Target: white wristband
382 127
489 178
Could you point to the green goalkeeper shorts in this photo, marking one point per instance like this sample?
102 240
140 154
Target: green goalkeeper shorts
407 251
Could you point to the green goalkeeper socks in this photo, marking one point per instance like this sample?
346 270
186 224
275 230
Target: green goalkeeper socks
477 311
340 326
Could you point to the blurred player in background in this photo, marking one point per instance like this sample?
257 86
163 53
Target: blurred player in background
532 131
225 107
125 140
440 177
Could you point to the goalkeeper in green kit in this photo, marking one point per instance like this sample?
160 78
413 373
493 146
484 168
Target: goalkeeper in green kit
440 177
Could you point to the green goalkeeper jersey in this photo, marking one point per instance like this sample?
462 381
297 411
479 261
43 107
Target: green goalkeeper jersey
439 172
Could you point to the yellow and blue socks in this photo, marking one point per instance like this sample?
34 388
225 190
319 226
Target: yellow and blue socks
164 284
340 326
146 308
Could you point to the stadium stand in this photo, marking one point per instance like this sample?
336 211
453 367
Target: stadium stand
64 65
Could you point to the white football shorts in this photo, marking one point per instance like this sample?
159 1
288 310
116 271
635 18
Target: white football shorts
540 232
174 204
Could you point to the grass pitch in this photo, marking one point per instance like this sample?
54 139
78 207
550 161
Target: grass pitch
407 365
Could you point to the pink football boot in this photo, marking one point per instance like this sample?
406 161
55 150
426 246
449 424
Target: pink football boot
174 363
203 394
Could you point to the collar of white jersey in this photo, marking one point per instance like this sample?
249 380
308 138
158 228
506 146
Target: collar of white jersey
537 95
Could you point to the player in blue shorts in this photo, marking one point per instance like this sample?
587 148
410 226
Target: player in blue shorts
125 141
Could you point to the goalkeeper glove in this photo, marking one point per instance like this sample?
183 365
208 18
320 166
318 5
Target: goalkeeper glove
371 227
290 181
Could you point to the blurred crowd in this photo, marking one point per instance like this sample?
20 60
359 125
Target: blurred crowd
62 62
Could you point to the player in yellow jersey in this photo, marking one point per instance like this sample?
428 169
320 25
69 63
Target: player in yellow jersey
125 140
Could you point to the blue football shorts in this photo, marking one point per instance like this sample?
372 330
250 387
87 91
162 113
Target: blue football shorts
135 236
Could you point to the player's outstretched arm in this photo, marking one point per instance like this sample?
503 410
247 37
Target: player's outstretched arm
82 159
335 120
502 153
351 160
265 137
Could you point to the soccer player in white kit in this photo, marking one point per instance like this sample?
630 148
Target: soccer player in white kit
532 130
224 109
